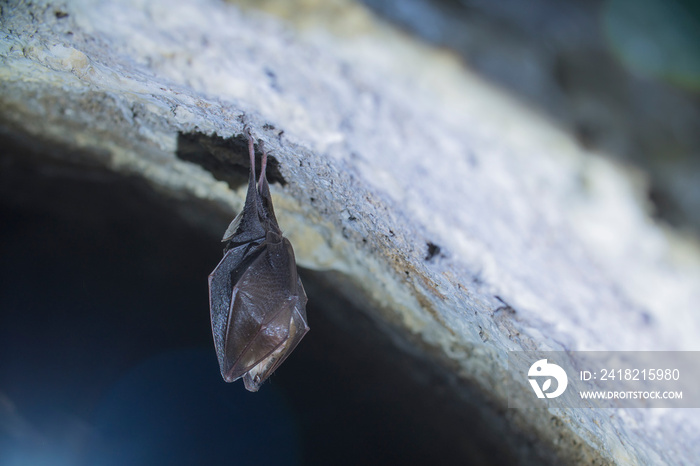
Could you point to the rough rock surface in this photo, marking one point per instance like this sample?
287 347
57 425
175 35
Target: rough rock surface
428 197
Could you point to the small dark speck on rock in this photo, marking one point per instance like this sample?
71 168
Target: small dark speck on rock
433 250
61 14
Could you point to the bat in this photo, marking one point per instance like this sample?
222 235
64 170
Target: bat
256 299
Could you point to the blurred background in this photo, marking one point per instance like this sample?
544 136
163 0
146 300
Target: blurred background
105 346
622 76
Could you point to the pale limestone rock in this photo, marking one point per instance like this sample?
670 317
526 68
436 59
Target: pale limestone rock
387 146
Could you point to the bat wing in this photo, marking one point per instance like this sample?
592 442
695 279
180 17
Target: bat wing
288 329
266 318
221 282
298 327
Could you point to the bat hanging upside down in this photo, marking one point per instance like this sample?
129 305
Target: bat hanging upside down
256 299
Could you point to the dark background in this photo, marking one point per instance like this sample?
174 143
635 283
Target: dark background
106 354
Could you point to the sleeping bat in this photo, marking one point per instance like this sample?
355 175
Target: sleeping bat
256 299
